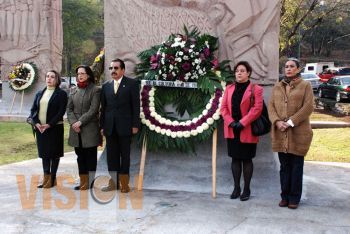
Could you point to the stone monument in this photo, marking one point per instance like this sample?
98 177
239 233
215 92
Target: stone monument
247 30
30 31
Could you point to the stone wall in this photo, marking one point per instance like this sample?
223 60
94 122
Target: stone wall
247 29
30 31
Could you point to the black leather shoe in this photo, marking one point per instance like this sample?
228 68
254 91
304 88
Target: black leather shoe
236 193
77 187
40 186
245 195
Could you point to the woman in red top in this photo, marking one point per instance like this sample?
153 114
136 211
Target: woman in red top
238 116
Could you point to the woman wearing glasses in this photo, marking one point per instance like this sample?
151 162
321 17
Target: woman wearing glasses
83 117
290 107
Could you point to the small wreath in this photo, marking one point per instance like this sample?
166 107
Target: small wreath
23 76
181 59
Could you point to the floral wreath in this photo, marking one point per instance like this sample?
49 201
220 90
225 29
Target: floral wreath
23 76
181 59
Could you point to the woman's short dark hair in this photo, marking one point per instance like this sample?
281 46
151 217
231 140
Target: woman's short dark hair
88 71
295 60
57 77
246 65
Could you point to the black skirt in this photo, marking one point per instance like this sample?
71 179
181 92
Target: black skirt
238 150
50 143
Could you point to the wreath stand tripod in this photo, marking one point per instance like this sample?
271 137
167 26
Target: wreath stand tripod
214 151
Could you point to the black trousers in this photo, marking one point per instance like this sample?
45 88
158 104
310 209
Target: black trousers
291 176
118 153
87 161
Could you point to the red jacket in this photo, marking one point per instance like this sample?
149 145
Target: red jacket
248 114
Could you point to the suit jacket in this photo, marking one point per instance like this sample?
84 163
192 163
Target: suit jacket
249 114
120 111
55 109
83 105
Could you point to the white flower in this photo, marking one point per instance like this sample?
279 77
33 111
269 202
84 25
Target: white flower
208 106
200 71
157 117
206 43
162 131
181 53
168 132
142 115
171 67
186 57
194 132
216 116
151 104
179 134
194 120
143 121
153 114
187 134
199 129
163 55
151 92
175 123
152 127
210 121
205 126
160 72
192 46
196 61
152 109
188 122
148 123
151 99
157 129
173 134
204 112
168 122
162 120
182 44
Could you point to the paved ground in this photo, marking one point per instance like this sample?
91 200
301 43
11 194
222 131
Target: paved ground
177 199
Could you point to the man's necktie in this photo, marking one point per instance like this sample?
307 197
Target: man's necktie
116 86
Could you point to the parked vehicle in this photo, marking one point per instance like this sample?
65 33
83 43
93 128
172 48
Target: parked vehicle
333 71
337 87
317 68
313 79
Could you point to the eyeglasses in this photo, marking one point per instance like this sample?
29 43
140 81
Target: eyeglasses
81 73
115 68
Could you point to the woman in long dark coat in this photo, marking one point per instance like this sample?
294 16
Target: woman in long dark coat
47 113
83 117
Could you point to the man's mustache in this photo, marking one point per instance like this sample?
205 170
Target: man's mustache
114 73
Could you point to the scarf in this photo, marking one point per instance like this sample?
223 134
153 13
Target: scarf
82 85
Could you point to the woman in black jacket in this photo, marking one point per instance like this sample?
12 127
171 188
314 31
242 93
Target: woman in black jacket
47 113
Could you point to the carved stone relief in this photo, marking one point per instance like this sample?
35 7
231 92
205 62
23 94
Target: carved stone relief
247 29
31 31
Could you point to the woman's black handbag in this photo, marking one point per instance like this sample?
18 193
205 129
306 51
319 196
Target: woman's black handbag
261 125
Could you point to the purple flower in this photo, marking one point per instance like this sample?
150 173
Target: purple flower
186 66
206 52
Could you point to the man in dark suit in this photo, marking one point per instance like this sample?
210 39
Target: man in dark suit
120 118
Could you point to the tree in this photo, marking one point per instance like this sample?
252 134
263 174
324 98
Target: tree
82 25
300 17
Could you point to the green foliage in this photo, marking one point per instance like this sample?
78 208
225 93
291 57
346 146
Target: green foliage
187 103
82 21
313 20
